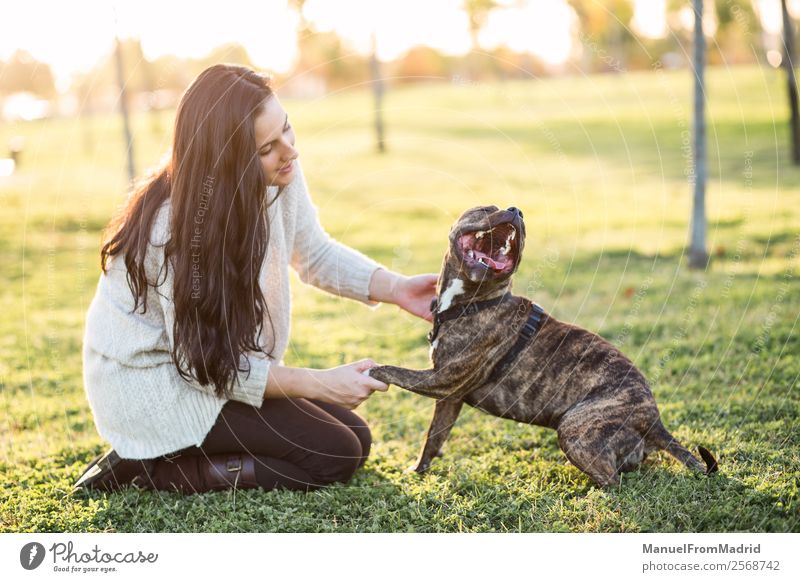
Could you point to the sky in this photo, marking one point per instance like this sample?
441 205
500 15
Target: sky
74 36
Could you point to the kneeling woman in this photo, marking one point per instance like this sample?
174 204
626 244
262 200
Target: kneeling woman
185 336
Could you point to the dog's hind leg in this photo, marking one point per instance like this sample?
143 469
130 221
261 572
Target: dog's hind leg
444 417
588 453
598 464
631 454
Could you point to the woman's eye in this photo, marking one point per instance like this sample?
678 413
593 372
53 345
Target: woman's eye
268 149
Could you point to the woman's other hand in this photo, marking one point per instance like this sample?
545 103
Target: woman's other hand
346 385
414 294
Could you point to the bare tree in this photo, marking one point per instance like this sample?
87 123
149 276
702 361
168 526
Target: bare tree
698 256
123 107
377 91
788 63
478 15
298 6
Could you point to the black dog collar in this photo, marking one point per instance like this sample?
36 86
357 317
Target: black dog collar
526 332
456 312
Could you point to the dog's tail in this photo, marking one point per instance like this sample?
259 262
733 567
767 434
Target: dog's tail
661 438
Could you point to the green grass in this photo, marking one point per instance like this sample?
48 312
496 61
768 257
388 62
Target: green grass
596 165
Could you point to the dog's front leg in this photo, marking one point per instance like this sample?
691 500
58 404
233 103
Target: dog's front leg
432 382
443 420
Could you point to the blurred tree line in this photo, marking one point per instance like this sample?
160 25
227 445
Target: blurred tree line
604 38
734 25
23 73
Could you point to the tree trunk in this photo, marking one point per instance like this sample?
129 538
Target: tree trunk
788 63
123 106
698 257
377 91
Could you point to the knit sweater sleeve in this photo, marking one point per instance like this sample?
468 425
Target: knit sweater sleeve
323 261
251 378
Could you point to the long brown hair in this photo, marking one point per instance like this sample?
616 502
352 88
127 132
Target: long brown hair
218 226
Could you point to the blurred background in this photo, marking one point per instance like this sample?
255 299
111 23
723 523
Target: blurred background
652 145
58 60
80 86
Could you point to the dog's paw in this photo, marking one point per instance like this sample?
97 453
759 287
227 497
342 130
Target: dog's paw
418 468
378 373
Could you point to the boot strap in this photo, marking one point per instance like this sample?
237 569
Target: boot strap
236 470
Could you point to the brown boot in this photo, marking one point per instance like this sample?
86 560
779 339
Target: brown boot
201 473
109 472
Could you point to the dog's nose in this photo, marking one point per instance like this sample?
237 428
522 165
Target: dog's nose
516 211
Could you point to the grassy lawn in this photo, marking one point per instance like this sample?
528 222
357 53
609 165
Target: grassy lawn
598 166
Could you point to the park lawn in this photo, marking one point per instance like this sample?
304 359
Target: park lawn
598 166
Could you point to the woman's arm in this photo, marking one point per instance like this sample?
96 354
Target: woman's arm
384 285
346 385
413 294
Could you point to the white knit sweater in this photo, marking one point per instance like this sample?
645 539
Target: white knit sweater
141 405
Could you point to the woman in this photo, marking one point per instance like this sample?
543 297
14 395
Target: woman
185 335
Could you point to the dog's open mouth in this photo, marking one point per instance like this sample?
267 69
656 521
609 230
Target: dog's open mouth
495 249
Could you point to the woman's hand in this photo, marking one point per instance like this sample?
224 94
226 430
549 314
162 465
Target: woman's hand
346 385
414 294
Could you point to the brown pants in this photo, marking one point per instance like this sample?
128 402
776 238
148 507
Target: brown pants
296 443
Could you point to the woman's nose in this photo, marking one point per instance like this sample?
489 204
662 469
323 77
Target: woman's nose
290 153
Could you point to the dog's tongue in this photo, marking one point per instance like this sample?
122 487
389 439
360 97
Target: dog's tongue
496 265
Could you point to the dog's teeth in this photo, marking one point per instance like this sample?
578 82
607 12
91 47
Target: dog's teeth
480 234
506 247
513 235
471 254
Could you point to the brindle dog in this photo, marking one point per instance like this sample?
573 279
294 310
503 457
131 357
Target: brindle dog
504 355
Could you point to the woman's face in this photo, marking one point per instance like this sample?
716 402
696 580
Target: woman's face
275 143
